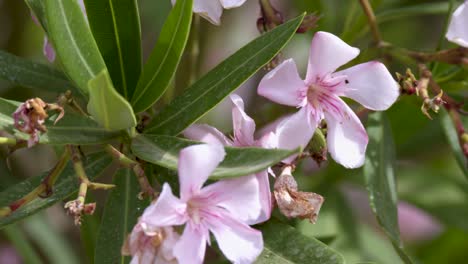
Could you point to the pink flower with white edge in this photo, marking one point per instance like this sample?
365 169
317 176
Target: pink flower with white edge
212 10
244 129
219 208
458 28
318 97
150 247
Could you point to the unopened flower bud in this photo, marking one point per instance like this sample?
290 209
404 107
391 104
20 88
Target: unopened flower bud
407 82
317 147
293 203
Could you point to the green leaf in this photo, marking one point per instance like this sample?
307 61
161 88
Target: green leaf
380 179
33 75
50 240
120 215
38 9
73 41
71 129
165 57
164 151
284 244
452 137
221 81
116 28
66 185
22 245
107 106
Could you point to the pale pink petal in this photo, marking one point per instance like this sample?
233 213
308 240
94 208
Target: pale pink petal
265 196
166 254
346 137
416 224
458 28
210 10
283 85
191 246
269 140
240 243
327 53
243 125
168 210
196 163
370 84
48 50
232 3
207 134
240 196
296 131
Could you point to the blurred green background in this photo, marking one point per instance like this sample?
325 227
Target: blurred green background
432 188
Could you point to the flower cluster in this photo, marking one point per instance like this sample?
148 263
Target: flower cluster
226 208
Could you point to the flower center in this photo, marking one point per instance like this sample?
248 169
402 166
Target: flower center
193 210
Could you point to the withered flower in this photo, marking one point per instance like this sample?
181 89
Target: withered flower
293 203
30 116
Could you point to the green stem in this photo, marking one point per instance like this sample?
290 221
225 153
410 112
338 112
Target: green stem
44 188
7 141
366 6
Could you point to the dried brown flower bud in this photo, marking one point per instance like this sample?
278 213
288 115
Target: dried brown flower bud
77 208
30 116
293 203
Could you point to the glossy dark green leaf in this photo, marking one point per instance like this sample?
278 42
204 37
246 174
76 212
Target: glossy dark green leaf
80 57
65 186
71 129
33 75
107 106
162 63
164 151
116 28
452 138
211 89
380 178
73 41
284 244
120 215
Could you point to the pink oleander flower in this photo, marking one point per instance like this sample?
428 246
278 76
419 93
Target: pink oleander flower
220 208
318 97
244 129
212 10
458 28
48 49
150 247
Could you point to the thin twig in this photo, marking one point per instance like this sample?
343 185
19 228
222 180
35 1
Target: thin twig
366 6
44 189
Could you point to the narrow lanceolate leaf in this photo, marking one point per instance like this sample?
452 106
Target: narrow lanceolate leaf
452 137
38 10
221 81
120 215
73 41
116 28
33 75
284 244
164 151
66 185
71 129
380 179
107 106
163 61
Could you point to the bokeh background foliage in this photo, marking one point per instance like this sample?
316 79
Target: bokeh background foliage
411 163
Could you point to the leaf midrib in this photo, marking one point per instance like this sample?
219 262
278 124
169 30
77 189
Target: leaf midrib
214 85
72 38
119 49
